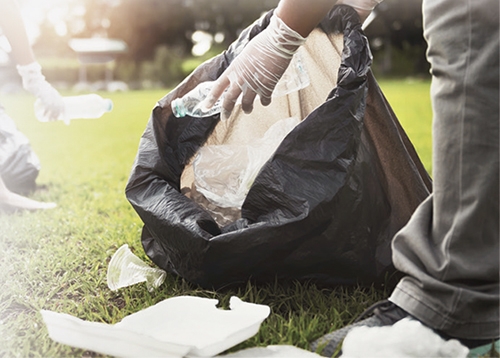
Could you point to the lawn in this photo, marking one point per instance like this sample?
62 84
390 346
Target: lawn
57 260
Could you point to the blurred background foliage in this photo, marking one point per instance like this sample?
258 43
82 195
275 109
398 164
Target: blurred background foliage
167 39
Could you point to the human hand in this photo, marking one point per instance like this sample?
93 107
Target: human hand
258 68
35 83
362 7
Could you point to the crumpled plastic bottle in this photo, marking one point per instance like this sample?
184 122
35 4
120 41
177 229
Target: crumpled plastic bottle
192 103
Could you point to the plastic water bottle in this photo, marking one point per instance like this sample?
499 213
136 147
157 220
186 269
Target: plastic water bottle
192 104
83 106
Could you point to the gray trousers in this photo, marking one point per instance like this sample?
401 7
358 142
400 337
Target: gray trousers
450 247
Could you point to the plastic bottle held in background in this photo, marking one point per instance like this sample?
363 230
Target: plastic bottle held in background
192 104
85 106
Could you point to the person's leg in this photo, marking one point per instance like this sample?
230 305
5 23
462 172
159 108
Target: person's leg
10 201
450 248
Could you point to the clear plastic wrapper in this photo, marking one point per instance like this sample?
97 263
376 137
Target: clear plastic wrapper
225 173
126 269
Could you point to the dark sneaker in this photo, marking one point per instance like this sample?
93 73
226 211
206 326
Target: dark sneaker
384 313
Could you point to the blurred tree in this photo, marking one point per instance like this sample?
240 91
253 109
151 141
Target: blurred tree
159 33
50 43
227 17
396 38
396 33
146 24
96 18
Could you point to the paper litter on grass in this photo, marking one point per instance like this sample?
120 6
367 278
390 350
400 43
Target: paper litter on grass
176 327
406 338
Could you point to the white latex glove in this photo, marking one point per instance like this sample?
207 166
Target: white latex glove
362 7
35 83
258 68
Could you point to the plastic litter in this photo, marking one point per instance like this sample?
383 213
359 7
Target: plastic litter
225 173
87 106
126 269
176 327
192 104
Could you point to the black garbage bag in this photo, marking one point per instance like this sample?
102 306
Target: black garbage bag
19 165
324 207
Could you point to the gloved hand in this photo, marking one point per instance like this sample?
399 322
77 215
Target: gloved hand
258 68
362 7
35 83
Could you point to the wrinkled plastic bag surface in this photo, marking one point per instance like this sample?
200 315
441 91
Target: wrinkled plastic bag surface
19 165
327 203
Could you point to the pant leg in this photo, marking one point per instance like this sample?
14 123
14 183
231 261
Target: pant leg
450 247
19 165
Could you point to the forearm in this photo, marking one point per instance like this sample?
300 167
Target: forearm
303 15
13 28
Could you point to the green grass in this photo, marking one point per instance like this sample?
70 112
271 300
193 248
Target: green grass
57 260
410 100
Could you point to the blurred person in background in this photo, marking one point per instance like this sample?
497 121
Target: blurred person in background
449 250
12 26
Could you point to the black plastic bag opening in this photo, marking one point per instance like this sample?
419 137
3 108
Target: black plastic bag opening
327 203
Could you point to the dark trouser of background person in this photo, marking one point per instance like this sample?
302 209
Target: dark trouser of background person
19 167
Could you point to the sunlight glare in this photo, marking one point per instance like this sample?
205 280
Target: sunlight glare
202 42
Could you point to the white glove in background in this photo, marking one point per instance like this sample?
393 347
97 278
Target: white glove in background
35 83
258 68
